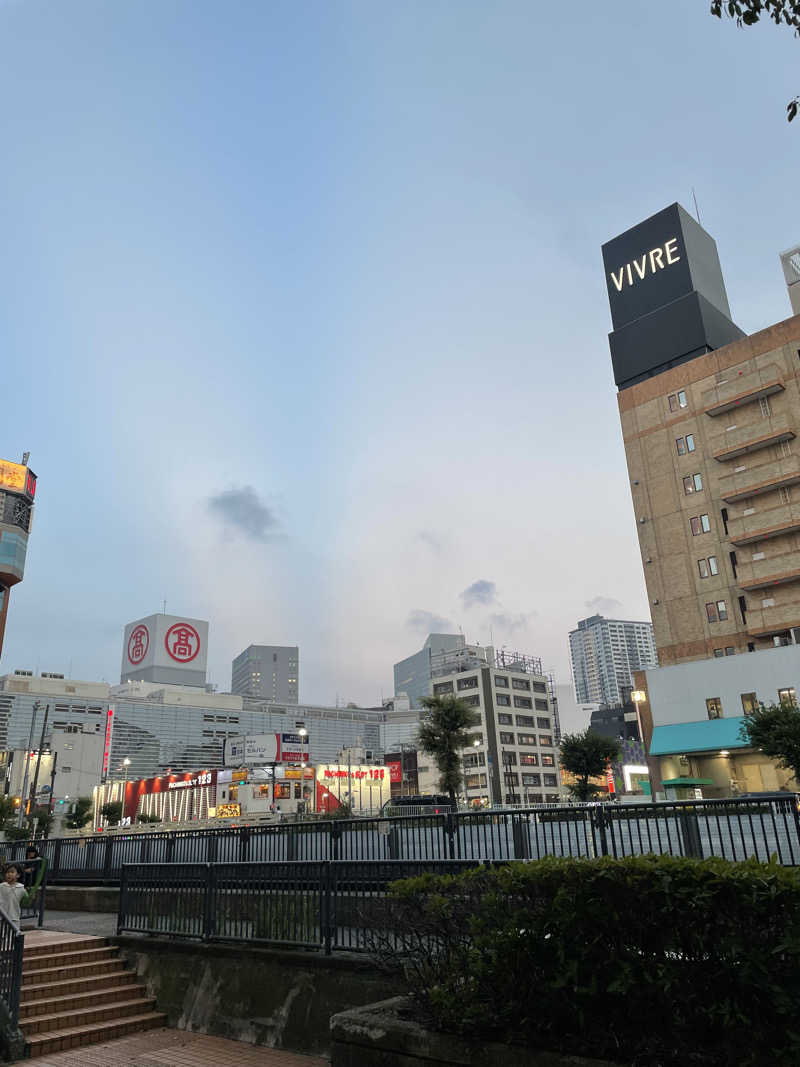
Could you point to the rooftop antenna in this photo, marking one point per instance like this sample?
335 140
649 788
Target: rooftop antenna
696 208
25 457
165 607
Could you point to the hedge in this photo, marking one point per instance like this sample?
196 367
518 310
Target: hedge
651 960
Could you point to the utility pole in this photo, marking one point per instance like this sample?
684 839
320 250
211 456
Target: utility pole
32 797
36 706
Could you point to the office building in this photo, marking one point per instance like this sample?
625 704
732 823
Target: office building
710 420
17 492
267 672
790 261
605 653
512 756
165 649
440 654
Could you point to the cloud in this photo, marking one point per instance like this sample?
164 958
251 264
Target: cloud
432 540
511 623
427 622
480 592
603 605
243 509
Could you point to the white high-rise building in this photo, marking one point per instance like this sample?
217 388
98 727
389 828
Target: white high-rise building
605 653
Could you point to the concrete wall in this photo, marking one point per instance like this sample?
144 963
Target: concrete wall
261 996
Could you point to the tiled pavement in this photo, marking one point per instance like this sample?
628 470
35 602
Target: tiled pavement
176 1048
98 923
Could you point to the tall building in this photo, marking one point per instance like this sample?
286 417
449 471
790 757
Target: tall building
512 756
166 649
710 420
17 491
268 672
605 653
790 261
441 653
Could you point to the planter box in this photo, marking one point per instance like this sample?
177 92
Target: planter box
386 1035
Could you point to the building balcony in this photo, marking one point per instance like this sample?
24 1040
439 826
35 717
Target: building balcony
764 524
768 573
742 389
764 478
766 622
752 436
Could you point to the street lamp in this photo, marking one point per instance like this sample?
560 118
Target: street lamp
475 744
126 763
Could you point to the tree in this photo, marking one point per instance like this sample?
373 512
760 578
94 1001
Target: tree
586 755
775 729
749 12
44 817
148 818
442 735
112 812
81 813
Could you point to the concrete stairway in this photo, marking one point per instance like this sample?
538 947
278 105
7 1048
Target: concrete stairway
77 991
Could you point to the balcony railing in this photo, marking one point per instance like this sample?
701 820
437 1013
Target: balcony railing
766 573
764 622
764 524
742 389
759 479
752 436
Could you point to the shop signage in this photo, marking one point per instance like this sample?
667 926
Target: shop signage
266 748
395 770
201 779
649 262
229 811
374 773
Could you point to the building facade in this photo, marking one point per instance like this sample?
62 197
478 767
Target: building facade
17 492
512 756
166 649
605 653
412 676
267 672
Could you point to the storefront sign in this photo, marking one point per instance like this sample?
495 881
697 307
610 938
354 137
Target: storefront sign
201 779
395 770
229 811
266 748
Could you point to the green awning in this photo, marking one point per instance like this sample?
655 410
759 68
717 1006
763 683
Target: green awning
688 781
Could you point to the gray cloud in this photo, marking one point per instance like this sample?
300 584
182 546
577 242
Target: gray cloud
244 509
511 623
603 605
432 540
427 622
480 592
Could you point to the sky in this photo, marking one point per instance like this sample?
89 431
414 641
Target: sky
303 314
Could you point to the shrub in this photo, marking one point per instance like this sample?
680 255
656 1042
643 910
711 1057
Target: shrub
648 960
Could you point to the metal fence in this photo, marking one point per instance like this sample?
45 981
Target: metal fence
734 829
310 904
11 947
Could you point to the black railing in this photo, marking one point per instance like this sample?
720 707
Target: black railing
734 829
11 947
321 905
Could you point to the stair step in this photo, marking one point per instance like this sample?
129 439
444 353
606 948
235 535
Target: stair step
56 961
75 985
53 1005
93 1033
74 970
98 1013
68 945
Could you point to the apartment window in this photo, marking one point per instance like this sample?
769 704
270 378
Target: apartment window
692 483
722 610
509 757
749 702
442 687
690 442
784 495
274 657
468 683
718 653
506 738
552 798
764 407
545 740
724 514
673 401
550 779
472 701
539 687
502 700
500 680
677 400
543 724
733 561
532 779
523 702
711 612
680 444
524 720
529 759
787 697
527 739
702 567
700 524
548 761
730 650
714 708
503 719
541 705
520 683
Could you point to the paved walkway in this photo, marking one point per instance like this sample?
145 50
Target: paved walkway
176 1048
96 923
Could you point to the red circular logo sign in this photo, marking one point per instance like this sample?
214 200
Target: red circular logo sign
182 642
138 644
